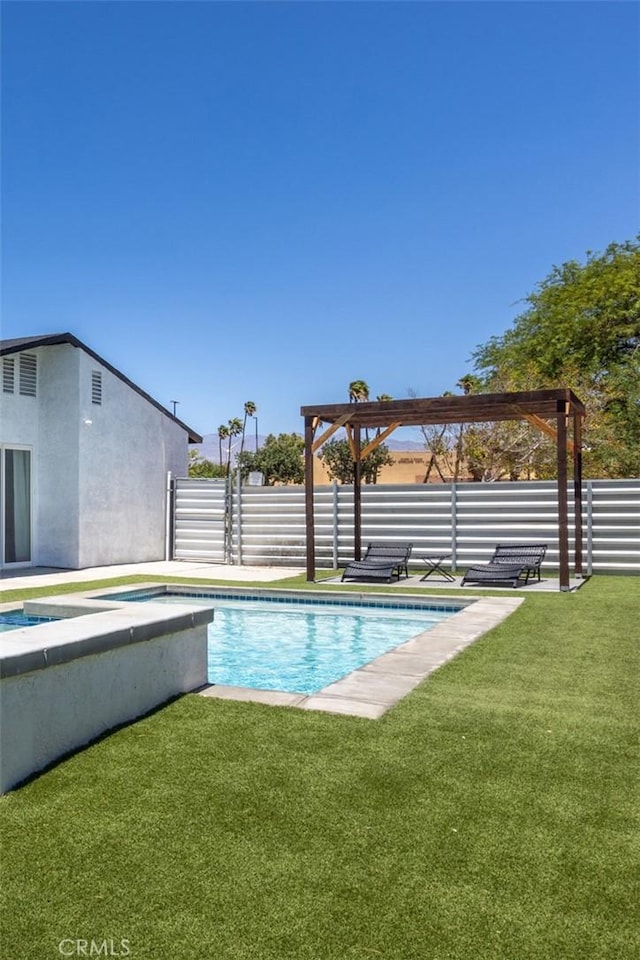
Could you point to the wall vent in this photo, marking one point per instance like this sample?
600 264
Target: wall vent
8 374
96 387
28 374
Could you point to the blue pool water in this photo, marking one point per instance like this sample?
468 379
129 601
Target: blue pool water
297 646
300 650
15 619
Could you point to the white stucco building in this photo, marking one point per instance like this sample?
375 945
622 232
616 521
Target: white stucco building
84 458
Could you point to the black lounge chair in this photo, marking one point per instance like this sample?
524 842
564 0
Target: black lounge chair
512 563
370 570
380 562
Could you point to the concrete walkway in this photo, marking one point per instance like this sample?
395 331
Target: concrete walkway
48 576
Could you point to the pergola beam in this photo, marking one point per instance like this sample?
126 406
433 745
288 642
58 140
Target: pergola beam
378 440
352 445
545 427
340 422
476 408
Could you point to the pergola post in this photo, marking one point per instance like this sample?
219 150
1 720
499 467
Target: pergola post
563 501
308 498
577 491
357 494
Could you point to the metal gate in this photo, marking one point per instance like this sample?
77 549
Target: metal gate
200 520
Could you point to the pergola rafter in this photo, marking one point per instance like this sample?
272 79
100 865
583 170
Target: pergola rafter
538 407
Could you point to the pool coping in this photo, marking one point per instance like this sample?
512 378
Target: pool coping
371 690
84 627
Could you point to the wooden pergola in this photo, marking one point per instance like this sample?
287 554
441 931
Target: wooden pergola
551 411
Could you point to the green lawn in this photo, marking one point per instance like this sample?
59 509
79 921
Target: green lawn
491 815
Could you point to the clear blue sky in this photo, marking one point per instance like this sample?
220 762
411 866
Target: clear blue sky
264 201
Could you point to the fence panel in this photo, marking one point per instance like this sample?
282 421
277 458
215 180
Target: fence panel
272 529
508 513
615 537
464 519
200 520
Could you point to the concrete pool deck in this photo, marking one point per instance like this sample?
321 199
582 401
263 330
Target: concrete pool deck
20 579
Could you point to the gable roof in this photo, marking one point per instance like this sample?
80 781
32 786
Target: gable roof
30 343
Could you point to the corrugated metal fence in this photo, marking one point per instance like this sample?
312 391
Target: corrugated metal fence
200 520
267 524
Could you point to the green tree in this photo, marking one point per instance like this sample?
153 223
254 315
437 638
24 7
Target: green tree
336 456
469 383
619 429
581 329
488 451
500 450
200 467
439 442
505 450
280 460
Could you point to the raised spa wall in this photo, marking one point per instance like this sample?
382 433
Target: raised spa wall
64 683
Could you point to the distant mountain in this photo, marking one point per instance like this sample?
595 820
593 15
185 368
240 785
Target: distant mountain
209 447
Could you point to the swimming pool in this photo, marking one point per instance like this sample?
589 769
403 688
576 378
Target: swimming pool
295 645
14 619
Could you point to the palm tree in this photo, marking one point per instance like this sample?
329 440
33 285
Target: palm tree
223 434
235 429
382 398
358 390
468 384
249 411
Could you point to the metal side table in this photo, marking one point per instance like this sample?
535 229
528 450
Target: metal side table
434 562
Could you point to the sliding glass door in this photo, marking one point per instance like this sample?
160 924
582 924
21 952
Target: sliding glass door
16 506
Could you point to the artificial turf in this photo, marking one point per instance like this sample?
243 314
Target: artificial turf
491 815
